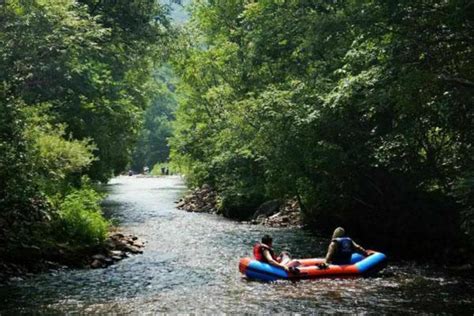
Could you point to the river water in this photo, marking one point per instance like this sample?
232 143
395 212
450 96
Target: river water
190 265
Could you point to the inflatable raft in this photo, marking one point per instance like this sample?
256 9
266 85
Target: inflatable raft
309 268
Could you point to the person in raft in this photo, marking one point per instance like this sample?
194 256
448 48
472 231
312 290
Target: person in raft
263 252
341 248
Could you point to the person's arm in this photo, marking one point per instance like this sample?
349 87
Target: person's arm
331 251
359 249
272 261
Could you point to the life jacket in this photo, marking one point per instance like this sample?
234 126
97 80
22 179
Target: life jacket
344 250
258 252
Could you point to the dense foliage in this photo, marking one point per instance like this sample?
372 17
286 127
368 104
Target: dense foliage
80 219
152 146
75 78
360 109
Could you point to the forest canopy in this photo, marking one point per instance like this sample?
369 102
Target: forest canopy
360 109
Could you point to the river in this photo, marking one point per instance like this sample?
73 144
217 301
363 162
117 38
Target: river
190 265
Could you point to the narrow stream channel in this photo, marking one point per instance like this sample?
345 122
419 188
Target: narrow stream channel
190 264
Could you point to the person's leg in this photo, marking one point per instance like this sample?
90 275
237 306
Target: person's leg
293 263
285 258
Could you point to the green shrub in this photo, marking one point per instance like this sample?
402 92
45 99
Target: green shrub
80 218
58 159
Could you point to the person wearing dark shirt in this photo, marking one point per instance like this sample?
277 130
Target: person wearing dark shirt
341 248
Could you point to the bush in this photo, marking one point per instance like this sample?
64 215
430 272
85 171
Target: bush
80 218
57 159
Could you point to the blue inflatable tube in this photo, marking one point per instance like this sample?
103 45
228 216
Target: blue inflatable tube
309 268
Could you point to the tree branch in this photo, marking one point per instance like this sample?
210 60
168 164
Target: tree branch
460 81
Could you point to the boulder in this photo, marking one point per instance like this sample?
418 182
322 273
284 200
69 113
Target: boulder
110 244
134 249
108 261
96 264
117 236
120 245
99 257
275 216
267 209
116 253
138 243
200 200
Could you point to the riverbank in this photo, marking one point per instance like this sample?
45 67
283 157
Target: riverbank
273 213
276 213
116 247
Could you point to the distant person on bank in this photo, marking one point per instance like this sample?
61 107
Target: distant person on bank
341 248
264 252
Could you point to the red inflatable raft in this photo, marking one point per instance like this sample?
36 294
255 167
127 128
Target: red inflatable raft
310 269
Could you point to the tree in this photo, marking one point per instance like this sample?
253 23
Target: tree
75 79
152 146
355 107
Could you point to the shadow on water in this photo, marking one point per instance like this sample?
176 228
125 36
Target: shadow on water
190 265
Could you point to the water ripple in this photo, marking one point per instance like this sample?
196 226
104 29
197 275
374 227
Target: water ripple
190 265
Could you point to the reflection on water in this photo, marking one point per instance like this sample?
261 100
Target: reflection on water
190 265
